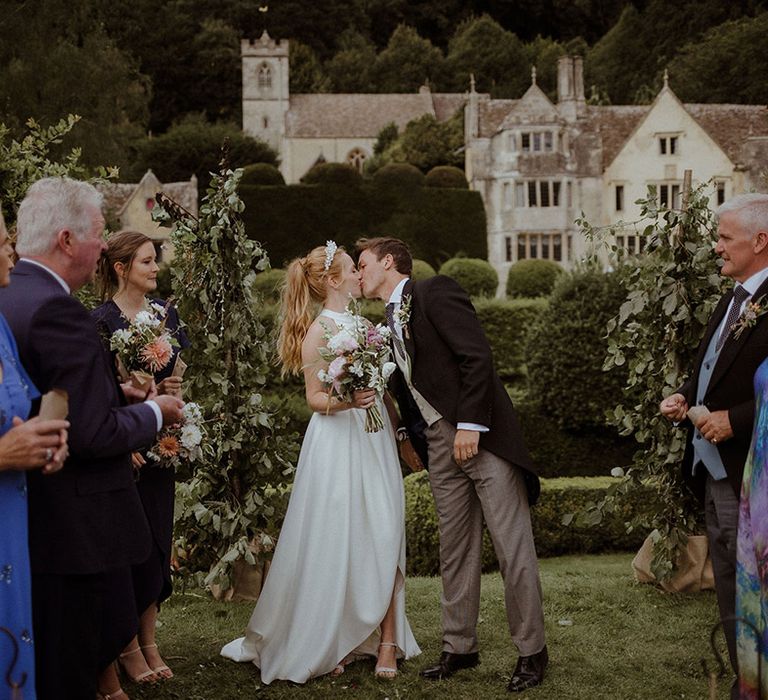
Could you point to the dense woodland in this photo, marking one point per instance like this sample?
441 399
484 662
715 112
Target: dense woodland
135 69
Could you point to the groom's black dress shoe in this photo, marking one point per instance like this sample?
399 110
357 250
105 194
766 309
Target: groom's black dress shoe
529 671
448 665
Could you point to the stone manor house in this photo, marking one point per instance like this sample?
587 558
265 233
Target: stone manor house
537 164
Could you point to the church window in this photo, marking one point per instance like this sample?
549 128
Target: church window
619 197
356 158
264 76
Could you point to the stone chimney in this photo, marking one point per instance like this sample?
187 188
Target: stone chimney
570 88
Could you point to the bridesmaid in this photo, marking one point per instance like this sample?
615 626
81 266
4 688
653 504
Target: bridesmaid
127 274
23 446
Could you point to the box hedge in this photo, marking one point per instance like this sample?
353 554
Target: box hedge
532 278
559 497
436 223
476 276
446 176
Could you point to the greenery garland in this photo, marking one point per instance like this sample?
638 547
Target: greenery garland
230 507
672 289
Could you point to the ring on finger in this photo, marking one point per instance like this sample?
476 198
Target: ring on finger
48 454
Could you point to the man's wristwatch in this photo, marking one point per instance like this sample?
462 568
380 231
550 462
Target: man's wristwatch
401 434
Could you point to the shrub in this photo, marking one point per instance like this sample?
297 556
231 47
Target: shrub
559 497
477 277
506 323
422 270
261 174
267 285
332 174
446 176
532 278
398 175
566 350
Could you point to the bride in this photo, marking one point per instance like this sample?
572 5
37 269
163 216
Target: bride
335 589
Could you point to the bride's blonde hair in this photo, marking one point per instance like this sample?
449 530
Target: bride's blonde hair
304 290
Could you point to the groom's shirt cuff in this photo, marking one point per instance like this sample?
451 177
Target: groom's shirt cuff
472 426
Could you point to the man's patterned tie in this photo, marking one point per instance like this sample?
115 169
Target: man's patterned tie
739 295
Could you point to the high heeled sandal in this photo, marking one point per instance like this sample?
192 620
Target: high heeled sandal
111 696
386 672
159 670
142 678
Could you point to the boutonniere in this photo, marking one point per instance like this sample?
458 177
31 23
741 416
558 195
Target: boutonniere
404 315
750 314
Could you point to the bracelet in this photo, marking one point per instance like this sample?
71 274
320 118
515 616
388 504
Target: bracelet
401 434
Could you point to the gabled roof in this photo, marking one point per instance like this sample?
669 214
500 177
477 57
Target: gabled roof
615 125
491 114
731 125
117 196
364 115
534 107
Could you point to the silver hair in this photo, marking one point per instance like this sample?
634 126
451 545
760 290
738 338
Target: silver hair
53 204
749 210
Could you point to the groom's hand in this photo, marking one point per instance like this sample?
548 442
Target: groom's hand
465 445
674 407
716 427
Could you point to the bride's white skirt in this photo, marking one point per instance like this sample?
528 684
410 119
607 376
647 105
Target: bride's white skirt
340 554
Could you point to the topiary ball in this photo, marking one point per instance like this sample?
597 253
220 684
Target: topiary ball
532 278
332 174
422 270
268 285
446 176
261 174
398 175
476 276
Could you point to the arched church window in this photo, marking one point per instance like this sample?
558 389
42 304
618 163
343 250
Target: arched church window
356 158
264 76
265 122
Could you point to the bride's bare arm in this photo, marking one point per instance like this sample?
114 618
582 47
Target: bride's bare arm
318 397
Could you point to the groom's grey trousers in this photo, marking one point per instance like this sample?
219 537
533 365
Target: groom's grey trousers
487 488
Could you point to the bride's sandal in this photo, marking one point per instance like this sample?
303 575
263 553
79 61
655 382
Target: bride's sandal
162 671
386 672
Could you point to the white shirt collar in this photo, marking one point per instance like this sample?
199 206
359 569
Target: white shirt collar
753 283
50 272
397 292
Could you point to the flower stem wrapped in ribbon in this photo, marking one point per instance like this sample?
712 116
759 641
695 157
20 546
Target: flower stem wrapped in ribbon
144 347
180 442
358 358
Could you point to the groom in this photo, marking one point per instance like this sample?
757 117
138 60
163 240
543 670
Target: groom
462 423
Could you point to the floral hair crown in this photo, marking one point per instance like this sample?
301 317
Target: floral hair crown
330 251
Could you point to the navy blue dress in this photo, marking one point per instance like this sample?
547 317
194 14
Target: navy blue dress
151 579
16 395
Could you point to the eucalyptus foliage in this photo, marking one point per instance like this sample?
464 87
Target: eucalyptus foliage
24 161
672 289
237 497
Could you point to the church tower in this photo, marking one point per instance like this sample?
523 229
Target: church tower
265 89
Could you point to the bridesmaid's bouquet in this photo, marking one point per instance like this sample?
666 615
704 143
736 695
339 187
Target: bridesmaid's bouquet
180 442
144 347
358 358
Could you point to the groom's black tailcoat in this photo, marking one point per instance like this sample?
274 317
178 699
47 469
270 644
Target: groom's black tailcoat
730 388
452 368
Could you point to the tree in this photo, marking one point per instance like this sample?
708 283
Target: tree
350 68
726 65
56 60
239 493
427 142
306 73
194 147
407 62
493 55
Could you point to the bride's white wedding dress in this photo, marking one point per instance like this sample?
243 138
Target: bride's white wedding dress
340 553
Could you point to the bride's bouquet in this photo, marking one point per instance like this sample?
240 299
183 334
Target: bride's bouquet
144 347
180 442
359 358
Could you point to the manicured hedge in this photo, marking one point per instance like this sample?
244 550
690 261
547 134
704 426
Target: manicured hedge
436 223
261 174
558 498
422 270
506 323
446 176
477 277
332 174
532 278
267 285
398 175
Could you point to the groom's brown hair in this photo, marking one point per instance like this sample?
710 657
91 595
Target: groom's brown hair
382 246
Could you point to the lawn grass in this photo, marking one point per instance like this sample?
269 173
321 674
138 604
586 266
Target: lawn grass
625 641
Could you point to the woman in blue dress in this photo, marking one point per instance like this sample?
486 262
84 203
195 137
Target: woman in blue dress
128 274
23 445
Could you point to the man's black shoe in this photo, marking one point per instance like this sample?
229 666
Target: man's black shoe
448 665
529 671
